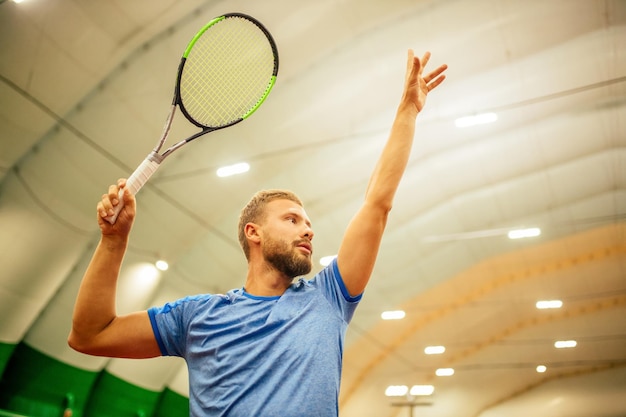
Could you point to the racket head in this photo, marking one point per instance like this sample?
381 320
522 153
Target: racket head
226 72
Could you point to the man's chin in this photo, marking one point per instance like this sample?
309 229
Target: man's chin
303 269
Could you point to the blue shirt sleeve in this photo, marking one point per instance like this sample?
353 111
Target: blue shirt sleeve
334 289
170 322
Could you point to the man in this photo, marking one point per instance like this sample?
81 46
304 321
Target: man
273 347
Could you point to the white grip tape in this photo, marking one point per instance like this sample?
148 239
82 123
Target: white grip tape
135 182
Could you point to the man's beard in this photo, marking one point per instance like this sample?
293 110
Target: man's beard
286 259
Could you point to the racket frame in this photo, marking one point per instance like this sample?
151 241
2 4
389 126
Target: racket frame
152 162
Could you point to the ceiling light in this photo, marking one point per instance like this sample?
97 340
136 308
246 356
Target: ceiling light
444 372
393 315
434 350
522 233
234 169
562 344
326 260
136 285
541 369
396 390
147 272
162 265
544 304
478 119
419 390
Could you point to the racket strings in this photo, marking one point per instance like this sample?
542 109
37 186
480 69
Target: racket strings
227 73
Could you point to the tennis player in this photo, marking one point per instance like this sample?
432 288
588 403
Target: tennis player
272 348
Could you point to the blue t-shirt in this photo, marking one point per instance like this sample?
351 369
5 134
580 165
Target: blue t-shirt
252 356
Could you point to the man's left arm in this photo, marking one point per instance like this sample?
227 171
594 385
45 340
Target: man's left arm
360 244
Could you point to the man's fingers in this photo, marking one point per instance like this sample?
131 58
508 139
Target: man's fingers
102 211
113 194
129 198
111 198
435 83
411 63
105 208
435 73
424 60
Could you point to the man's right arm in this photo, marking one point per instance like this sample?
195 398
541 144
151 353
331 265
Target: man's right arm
96 327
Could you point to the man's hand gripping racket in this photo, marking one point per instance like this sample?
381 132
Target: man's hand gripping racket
224 75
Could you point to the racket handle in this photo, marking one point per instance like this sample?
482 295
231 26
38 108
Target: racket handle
137 180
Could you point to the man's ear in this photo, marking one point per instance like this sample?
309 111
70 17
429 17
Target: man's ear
252 232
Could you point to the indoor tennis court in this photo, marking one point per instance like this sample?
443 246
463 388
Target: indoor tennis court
500 285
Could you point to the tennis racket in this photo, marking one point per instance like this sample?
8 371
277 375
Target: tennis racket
224 75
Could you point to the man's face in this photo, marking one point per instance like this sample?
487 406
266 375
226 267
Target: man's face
286 240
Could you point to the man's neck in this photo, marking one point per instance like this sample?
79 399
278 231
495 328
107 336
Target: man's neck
265 281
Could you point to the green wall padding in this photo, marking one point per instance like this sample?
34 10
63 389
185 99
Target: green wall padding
172 404
36 384
6 350
4 413
114 397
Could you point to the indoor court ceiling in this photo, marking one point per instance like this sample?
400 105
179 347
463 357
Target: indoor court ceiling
84 90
